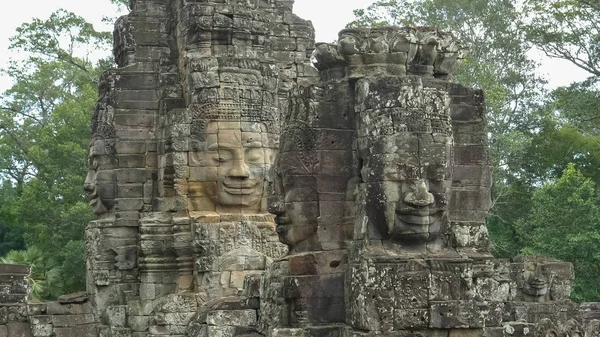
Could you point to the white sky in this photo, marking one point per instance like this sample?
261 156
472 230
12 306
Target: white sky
328 17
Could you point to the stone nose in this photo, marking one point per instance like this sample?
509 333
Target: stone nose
239 170
88 184
419 195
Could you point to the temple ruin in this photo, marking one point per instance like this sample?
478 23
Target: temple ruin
249 182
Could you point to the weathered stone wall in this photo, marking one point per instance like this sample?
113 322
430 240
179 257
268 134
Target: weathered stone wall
192 78
14 290
70 316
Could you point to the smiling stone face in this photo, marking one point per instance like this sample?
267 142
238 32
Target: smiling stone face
231 169
100 183
405 143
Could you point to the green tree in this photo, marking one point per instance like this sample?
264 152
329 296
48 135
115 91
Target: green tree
554 148
44 137
11 229
564 223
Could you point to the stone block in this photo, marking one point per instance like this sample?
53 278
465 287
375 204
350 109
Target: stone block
471 155
19 329
132 160
471 199
42 330
288 332
86 330
232 317
130 190
14 269
131 175
412 291
117 316
130 204
220 331
411 319
466 333
72 320
237 279
55 308
178 318
466 112
457 315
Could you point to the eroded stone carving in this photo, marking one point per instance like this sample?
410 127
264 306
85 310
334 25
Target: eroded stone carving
538 279
229 169
100 182
405 143
243 191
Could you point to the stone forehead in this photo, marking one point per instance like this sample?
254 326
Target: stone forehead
101 147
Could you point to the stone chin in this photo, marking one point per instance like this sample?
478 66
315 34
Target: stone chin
100 197
291 235
244 194
97 205
413 228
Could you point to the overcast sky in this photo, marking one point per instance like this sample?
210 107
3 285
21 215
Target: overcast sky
328 17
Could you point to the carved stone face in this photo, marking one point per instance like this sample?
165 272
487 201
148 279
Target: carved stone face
414 173
536 286
297 221
294 198
100 183
233 166
539 280
405 143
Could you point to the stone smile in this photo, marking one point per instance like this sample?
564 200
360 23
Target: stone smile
245 188
418 217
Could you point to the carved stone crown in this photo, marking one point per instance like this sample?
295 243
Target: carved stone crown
226 111
394 51
234 112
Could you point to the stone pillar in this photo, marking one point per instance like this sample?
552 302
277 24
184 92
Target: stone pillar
123 164
313 200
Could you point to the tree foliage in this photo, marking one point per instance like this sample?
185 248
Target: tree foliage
44 136
566 29
564 223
